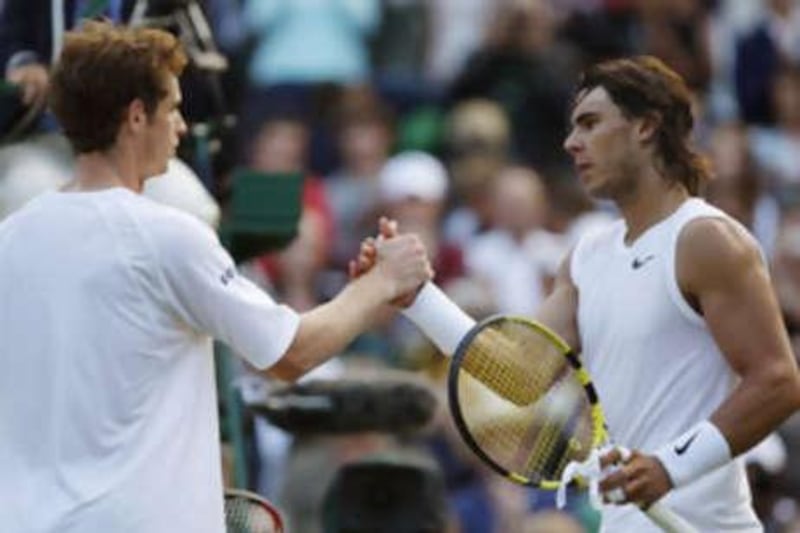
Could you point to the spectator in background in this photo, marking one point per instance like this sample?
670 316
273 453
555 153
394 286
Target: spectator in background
281 146
310 42
677 32
364 138
738 188
399 50
771 43
413 190
29 39
478 145
457 29
304 53
776 147
786 270
600 29
516 257
523 67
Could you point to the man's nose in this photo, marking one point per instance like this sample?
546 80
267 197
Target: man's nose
571 142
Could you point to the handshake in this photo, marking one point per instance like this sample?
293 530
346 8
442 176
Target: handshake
398 263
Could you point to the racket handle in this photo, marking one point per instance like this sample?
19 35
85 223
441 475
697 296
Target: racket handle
668 520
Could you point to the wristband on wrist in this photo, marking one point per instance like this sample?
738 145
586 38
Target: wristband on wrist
441 320
695 453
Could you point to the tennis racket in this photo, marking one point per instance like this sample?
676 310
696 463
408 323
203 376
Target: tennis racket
526 406
247 512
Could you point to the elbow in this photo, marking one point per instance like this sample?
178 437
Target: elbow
784 390
286 369
795 393
297 361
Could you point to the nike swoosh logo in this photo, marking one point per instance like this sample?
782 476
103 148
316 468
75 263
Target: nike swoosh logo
680 450
639 262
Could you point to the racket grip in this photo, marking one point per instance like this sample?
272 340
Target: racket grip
668 520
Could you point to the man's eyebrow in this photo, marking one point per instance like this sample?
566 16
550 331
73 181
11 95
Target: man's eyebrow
584 117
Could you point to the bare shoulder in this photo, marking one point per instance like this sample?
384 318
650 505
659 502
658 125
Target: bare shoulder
714 250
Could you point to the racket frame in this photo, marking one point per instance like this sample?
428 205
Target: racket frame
599 432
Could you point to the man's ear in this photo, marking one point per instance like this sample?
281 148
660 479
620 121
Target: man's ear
136 115
647 128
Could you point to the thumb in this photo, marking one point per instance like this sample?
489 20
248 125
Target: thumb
387 227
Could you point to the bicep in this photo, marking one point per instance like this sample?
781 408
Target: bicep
720 267
559 310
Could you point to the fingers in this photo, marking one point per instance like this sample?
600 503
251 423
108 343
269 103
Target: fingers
611 458
33 80
387 228
367 256
640 479
405 260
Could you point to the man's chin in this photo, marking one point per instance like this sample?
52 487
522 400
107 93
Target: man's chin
157 172
596 192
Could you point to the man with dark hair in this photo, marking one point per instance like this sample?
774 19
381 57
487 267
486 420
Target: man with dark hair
107 398
671 307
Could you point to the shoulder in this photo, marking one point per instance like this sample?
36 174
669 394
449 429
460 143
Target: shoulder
716 238
170 228
713 250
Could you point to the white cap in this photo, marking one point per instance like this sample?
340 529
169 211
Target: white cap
413 175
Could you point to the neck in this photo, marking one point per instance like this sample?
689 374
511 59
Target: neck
654 200
105 170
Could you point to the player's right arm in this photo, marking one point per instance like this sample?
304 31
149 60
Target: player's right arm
401 266
199 283
559 310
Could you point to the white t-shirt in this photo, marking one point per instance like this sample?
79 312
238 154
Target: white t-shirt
108 408
655 364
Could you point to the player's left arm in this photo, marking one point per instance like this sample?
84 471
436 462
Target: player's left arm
721 271
722 275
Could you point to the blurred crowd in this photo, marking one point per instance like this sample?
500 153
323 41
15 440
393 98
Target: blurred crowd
449 116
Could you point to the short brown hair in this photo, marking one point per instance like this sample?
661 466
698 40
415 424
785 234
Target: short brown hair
101 70
643 86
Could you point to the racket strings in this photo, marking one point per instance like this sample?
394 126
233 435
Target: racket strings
499 357
246 513
539 436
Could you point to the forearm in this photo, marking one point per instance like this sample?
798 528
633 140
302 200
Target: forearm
327 329
755 408
758 405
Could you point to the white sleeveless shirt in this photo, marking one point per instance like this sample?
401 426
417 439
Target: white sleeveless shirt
655 364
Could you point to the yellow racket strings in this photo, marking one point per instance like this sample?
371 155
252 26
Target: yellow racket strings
522 402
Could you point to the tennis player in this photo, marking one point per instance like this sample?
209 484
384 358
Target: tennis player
671 307
108 303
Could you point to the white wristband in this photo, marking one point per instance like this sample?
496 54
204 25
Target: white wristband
694 454
441 320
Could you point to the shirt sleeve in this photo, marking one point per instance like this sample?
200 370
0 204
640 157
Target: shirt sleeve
205 289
